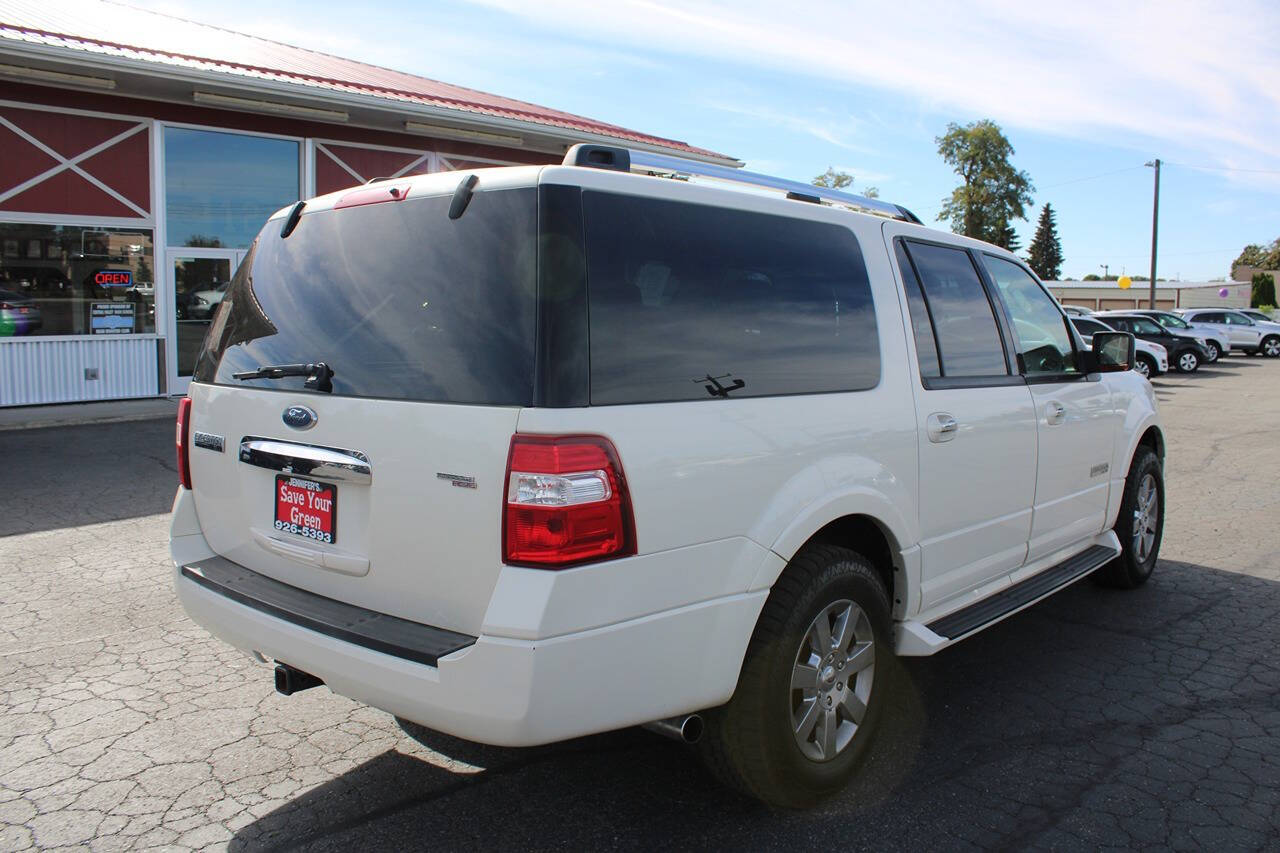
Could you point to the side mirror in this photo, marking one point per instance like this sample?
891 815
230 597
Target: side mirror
1113 352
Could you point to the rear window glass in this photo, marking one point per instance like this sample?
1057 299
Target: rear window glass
692 302
401 301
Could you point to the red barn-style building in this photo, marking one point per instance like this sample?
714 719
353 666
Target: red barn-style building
141 153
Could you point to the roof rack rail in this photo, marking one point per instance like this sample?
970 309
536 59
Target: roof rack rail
649 163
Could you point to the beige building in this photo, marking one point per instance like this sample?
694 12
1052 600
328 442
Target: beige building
1109 296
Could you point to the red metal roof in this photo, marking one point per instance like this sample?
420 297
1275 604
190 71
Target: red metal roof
124 32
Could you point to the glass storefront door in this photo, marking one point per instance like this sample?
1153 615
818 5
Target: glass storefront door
200 278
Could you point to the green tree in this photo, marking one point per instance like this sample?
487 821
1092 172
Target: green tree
1092 277
994 194
833 180
1045 252
872 192
1264 290
1261 257
1008 238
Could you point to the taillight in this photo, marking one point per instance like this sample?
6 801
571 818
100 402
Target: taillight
567 502
183 436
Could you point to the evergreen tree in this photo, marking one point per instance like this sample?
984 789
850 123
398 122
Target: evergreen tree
1045 252
1007 238
1264 290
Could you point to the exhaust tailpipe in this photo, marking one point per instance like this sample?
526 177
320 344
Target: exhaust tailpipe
290 681
686 727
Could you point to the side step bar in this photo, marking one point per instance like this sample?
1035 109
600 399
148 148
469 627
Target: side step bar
969 619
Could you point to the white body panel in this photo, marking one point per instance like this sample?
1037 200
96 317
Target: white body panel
724 493
1076 426
431 550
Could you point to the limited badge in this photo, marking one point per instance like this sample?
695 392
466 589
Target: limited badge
208 441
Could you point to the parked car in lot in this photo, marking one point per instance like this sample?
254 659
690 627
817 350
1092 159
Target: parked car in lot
675 455
1076 311
203 303
1244 334
19 315
1185 354
1214 341
1151 359
1256 315
1269 329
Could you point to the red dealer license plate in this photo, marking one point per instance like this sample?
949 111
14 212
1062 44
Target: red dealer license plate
306 508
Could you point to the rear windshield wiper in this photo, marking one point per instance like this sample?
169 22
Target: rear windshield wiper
318 374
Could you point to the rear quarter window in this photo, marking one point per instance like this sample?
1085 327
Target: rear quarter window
692 302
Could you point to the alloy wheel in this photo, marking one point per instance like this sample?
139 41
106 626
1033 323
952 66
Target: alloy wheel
1146 515
1271 347
831 680
1188 362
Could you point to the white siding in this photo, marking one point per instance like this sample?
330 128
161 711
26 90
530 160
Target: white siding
52 370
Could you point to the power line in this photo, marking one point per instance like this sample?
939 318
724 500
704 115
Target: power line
1093 177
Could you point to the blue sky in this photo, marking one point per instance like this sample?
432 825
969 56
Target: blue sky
1086 92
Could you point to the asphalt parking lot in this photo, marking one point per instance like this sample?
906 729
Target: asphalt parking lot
1148 719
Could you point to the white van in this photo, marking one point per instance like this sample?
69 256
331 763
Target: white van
523 454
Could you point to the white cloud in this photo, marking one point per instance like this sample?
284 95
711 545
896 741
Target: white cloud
1188 76
841 131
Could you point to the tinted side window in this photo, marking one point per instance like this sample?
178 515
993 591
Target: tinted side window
691 302
1120 324
1041 330
921 325
965 327
1089 327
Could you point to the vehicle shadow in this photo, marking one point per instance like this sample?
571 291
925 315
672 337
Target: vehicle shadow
114 471
1097 717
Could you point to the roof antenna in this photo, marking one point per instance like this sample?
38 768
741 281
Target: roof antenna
462 196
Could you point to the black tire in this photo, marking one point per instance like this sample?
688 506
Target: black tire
1186 361
1212 352
1271 346
750 743
1132 568
1146 365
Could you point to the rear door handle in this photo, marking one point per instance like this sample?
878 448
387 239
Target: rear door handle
330 463
941 427
1055 413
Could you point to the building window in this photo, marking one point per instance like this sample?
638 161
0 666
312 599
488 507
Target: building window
75 280
221 187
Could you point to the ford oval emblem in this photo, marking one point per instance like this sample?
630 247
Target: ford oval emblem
299 417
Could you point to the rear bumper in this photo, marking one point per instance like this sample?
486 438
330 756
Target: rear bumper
515 692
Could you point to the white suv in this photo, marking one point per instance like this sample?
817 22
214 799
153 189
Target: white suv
528 453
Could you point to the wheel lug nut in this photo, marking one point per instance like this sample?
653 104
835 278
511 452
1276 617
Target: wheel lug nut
839 685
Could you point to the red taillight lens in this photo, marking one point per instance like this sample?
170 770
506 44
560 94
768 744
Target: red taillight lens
567 502
183 441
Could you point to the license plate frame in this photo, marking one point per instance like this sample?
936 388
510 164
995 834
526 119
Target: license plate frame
302 499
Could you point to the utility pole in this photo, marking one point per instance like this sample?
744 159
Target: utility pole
1155 229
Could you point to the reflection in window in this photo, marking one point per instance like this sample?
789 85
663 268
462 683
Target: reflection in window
221 187
75 280
690 302
1041 329
968 340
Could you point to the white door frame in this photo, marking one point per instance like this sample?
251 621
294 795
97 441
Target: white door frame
178 384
